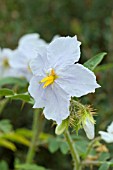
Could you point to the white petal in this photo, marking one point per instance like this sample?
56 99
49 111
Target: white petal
110 128
107 137
32 39
37 92
31 44
53 98
57 104
28 37
77 80
40 65
19 60
89 129
55 37
63 51
7 53
25 73
12 73
8 71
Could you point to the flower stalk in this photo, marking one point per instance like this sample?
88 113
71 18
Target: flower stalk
90 146
94 163
35 129
74 153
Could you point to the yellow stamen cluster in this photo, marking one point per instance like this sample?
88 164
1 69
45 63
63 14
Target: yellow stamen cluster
49 79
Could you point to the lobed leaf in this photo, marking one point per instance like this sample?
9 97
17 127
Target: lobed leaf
104 156
104 166
53 145
64 147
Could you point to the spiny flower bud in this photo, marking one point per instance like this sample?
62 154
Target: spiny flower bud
81 116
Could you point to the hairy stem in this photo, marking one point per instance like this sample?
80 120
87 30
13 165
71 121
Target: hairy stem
74 153
35 129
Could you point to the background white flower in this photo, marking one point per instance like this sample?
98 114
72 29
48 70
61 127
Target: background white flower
30 44
28 48
6 56
56 78
107 136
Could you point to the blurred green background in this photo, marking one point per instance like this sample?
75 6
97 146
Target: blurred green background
92 22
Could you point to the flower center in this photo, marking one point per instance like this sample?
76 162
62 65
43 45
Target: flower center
49 79
5 62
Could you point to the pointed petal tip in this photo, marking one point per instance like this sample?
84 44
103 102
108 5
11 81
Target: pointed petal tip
34 107
98 86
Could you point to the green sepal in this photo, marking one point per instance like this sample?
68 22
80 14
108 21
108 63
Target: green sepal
62 127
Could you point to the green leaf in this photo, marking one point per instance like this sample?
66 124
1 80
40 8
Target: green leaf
29 167
3 165
104 67
111 162
104 156
81 147
3 103
5 126
5 143
94 61
44 136
24 97
13 81
24 132
104 166
53 145
64 148
16 138
62 127
6 92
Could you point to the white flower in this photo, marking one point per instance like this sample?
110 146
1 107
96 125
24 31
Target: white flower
89 128
107 136
56 78
6 56
29 46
